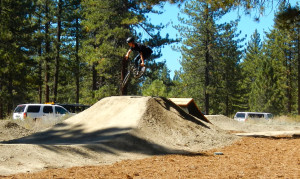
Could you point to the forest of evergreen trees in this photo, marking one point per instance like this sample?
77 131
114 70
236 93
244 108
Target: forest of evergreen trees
71 52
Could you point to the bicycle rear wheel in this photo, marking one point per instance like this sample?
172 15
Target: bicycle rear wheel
126 79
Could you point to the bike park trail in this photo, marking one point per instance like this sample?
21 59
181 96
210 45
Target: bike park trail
113 129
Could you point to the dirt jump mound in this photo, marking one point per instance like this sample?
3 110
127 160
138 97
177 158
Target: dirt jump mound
132 121
113 129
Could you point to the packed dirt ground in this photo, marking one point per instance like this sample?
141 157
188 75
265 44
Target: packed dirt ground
248 158
145 137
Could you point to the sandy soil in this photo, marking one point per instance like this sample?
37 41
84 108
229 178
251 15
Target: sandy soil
248 158
130 130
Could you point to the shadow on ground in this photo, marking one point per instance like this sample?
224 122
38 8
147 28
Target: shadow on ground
110 140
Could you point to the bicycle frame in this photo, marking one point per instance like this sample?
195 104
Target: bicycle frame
131 69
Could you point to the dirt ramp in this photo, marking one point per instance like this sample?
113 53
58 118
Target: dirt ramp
168 125
106 120
10 130
114 129
131 123
110 112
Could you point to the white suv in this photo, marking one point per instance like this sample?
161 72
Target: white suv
38 111
244 116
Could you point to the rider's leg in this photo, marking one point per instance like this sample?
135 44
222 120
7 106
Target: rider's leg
141 69
137 62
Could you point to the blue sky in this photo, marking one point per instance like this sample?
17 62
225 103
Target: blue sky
170 16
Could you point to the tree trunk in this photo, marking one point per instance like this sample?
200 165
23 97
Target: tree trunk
1 103
227 104
47 51
77 72
287 54
40 77
298 54
289 82
1 109
206 83
40 65
94 71
56 75
207 64
10 95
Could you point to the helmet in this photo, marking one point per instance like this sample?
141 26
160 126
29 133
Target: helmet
130 39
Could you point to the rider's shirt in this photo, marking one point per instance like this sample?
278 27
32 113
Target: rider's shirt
146 51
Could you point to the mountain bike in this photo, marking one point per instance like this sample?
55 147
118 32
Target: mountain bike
134 71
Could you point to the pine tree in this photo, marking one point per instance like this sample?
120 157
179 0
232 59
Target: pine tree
156 88
106 30
74 67
107 25
266 74
41 42
287 21
227 72
251 66
198 50
15 37
210 64
179 89
159 82
275 73
57 47
270 69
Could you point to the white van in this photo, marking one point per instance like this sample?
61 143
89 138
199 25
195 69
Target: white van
38 111
244 116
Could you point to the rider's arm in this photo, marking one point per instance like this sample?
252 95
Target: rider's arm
128 53
142 58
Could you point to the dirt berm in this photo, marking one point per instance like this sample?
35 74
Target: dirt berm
114 129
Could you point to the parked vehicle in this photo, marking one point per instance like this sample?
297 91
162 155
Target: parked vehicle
75 108
38 111
244 116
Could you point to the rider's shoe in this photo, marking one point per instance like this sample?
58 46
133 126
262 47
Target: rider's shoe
140 72
143 70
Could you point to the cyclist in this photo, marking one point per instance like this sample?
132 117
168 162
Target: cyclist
144 53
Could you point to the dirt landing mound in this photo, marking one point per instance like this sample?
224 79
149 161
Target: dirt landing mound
10 130
113 129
